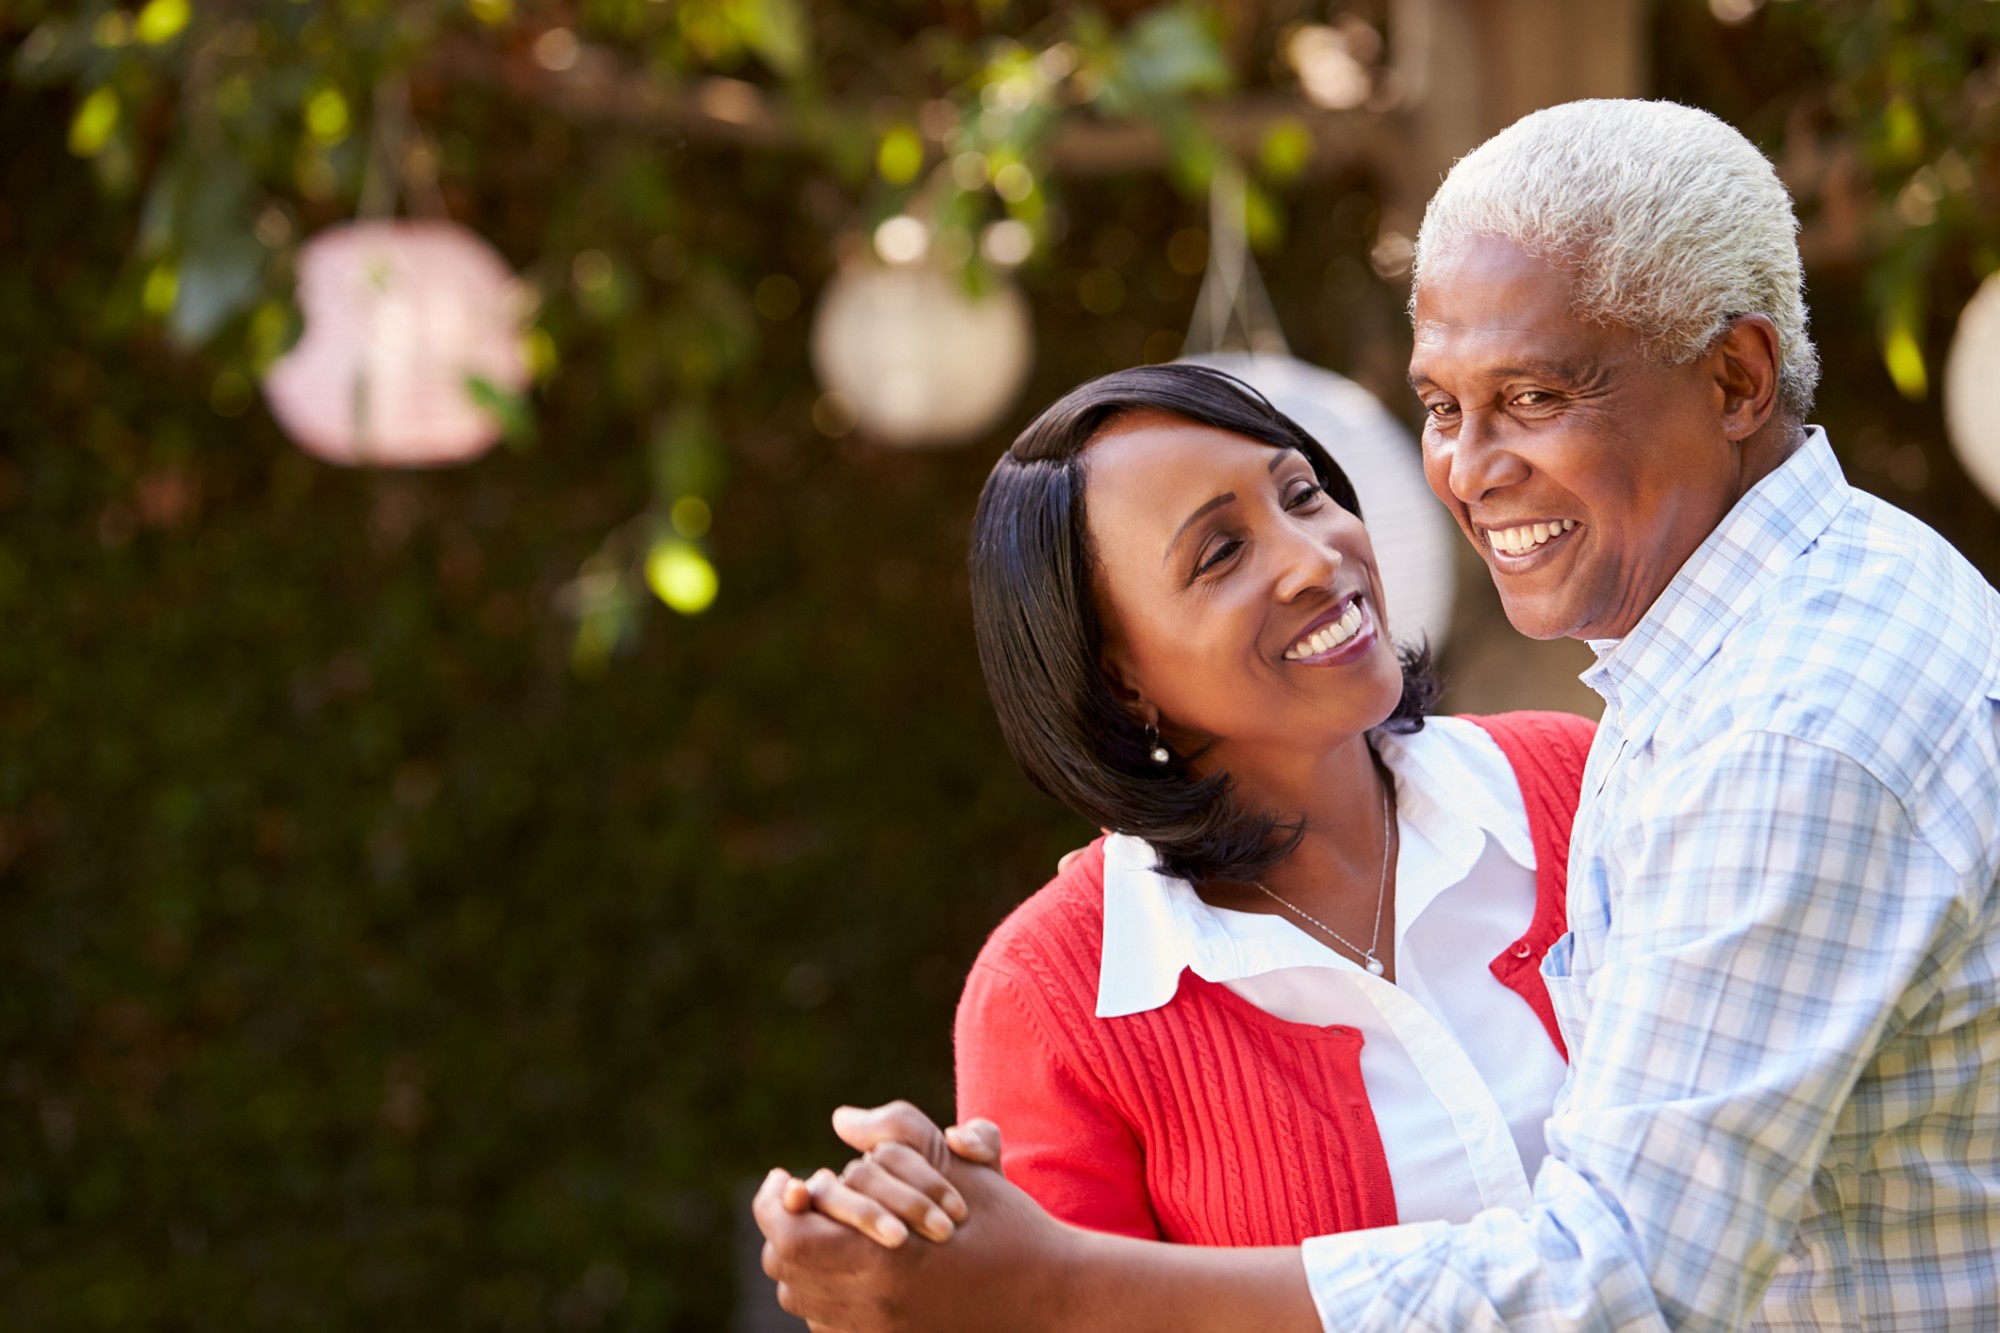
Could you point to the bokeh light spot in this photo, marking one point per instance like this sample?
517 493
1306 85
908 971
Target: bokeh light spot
1007 243
161 21
326 116
902 240
95 120
901 156
681 576
691 517
162 286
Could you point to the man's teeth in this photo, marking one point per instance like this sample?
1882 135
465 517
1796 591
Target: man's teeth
1521 540
1328 636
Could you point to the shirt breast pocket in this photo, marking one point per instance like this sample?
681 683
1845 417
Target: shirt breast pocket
1567 992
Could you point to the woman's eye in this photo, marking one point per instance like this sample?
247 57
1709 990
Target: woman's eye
1304 495
1219 553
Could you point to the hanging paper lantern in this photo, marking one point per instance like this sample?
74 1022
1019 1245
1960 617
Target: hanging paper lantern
1411 534
919 359
1972 389
404 322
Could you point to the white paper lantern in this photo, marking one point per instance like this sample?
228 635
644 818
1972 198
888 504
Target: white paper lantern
1409 529
400 317
921 361
1972 388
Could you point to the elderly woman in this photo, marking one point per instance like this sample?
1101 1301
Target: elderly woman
1296 992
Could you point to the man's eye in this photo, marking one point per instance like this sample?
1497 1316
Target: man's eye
1534 398
1436 410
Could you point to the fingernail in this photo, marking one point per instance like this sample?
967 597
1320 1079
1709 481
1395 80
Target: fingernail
937 1226
955 1206
892 1231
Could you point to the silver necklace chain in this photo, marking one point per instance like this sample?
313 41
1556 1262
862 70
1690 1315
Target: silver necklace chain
1367 955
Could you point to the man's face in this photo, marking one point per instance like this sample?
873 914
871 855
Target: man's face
1583 473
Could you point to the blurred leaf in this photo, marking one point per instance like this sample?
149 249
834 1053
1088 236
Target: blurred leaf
1904 358
199 212
778 32
512 410
219 278
95 119
1176 51
686 453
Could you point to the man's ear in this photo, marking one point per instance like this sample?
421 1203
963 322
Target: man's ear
1745 360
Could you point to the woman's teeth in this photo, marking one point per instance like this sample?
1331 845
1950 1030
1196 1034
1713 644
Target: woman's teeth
1327 636
1521 540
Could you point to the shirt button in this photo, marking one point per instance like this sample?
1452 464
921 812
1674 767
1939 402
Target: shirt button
1521 949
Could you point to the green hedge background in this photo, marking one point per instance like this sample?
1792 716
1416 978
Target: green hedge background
364 965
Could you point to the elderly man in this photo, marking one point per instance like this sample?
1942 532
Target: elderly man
1779 987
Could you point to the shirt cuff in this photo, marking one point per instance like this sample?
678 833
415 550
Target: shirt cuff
1350 1273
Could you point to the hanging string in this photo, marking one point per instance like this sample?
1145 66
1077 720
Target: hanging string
1233 313
395 143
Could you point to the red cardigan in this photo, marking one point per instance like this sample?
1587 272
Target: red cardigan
1208 1121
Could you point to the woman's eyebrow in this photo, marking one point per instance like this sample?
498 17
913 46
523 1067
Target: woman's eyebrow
1227 497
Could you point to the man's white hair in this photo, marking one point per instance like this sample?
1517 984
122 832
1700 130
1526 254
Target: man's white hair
1671 221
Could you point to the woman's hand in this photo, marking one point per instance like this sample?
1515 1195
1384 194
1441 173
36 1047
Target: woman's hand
837 1245
894 1188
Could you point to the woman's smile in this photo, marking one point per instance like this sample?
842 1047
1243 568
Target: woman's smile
1336 638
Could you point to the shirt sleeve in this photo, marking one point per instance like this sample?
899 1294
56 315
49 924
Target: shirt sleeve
1773 916
1061 1140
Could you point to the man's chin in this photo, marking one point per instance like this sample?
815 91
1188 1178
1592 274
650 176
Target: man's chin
1539 616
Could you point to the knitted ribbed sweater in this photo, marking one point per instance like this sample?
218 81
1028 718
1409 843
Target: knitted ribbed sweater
1208 1121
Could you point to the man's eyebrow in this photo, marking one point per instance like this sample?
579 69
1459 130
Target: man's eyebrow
1578 371
1227 497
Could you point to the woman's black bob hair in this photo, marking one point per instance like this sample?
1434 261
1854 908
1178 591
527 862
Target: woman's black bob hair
1041 641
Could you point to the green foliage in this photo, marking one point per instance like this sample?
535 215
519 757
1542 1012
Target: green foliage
1904 112
382 951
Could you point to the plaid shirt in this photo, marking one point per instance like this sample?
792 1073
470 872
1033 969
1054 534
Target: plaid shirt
1781 986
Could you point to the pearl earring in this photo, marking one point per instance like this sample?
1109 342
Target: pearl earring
1157 751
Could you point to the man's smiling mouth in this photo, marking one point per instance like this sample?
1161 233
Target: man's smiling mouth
1527 537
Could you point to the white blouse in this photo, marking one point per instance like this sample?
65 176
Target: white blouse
1459 1070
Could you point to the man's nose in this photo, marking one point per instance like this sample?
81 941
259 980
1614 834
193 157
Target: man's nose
1473 462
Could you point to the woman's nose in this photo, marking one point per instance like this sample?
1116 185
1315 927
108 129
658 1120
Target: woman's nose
1309 565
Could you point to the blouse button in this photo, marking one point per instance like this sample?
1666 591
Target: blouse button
1521 949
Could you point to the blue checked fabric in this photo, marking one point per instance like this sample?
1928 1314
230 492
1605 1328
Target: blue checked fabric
1781 986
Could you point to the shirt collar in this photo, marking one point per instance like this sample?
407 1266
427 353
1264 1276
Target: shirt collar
1639 675
1156 926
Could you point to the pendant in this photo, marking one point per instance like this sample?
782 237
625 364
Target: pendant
1375 968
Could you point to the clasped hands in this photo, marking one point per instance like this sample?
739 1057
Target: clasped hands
919 1233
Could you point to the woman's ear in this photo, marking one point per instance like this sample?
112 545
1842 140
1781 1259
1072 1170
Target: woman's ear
1125 687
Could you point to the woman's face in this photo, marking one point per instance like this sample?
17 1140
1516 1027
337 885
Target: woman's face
1241 603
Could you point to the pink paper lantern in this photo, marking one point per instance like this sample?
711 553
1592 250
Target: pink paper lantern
400 318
